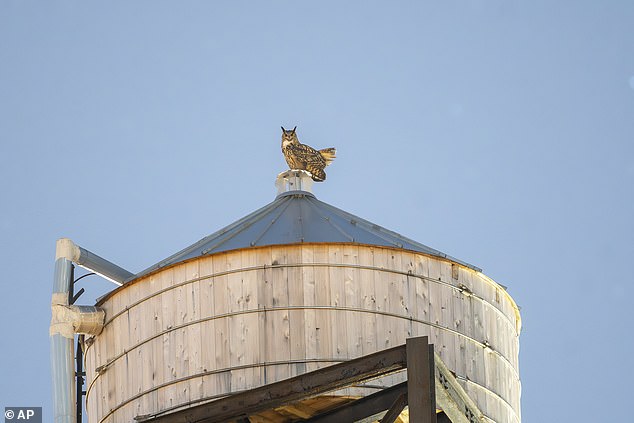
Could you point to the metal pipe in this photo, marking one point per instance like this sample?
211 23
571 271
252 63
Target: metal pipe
62 348
93 262
70 319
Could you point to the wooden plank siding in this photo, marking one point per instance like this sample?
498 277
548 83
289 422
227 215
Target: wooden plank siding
238 320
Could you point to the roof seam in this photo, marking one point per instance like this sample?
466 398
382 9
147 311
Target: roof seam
330 222
286 200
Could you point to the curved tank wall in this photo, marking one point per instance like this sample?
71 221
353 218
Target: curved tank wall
236 320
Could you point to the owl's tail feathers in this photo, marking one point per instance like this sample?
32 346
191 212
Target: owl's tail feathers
329 154
317 173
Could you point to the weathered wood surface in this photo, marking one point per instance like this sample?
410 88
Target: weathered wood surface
241 319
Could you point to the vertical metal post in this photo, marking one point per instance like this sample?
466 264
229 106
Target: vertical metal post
62 351
71 287
80 378
421 389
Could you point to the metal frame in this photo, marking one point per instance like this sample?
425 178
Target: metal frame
417 356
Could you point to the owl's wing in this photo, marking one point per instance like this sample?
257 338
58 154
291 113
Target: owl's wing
307 154
313 160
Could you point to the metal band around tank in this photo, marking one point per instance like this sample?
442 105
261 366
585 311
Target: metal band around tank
352 266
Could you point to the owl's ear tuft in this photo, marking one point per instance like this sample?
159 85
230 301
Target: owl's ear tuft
294 129
283 130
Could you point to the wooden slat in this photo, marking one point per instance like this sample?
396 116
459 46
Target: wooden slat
154 374
135 376
399 304
194 332
221 335
179 338
251 320
310 316
278 327
296 320
265 298
352 300
117 373
421 270
381 289
237 339
435 299
367 302
101 387
207 328
408 266
447 345
167 396
338 321
323 329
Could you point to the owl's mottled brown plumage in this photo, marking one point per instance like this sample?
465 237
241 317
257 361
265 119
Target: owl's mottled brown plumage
303 157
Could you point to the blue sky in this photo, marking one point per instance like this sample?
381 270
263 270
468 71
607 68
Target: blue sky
499 132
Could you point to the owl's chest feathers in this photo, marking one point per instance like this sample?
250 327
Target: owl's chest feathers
293 161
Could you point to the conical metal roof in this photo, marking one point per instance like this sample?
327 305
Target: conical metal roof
296 216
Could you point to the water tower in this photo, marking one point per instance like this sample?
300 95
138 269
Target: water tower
295 286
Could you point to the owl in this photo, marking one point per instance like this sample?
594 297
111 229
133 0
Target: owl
303 157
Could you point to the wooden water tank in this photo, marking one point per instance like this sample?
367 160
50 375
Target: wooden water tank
196 328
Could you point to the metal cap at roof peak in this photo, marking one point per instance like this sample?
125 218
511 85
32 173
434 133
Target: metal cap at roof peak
296 216
294 182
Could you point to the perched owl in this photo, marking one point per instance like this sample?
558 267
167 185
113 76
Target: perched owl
303 157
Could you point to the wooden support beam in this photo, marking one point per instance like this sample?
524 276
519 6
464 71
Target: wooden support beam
364 407
452 398
290 390
421 389
395 410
